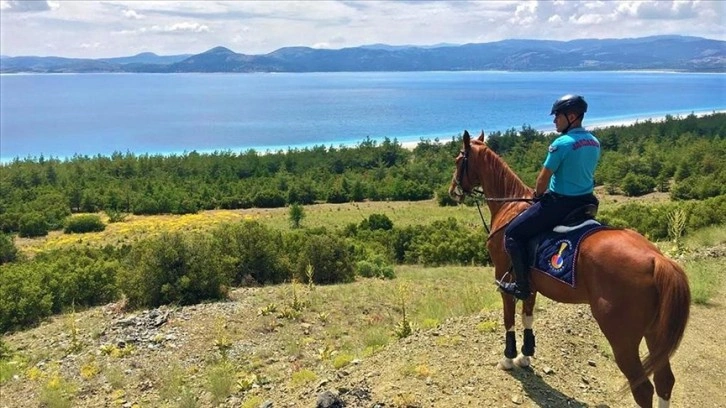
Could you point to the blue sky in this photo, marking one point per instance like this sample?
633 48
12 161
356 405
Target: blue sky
95 29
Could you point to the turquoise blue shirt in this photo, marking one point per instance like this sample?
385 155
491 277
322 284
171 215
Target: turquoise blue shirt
572 158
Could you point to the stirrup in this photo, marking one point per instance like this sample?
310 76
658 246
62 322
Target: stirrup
511 288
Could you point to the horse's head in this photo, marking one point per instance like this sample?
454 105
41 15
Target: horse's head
464 180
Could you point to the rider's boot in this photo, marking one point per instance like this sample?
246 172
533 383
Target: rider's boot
520 264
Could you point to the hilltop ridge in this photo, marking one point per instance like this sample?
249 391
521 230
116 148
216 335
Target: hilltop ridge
668 52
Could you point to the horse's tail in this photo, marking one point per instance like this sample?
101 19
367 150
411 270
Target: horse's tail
674 301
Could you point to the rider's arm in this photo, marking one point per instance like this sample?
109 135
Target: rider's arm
543 181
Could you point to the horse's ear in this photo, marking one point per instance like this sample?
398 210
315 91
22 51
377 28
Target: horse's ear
481 137
467 140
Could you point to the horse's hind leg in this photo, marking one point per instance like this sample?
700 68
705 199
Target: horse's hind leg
662 377
628 360
625 340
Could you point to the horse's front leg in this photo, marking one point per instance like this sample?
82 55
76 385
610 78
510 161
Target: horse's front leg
523 359
510 347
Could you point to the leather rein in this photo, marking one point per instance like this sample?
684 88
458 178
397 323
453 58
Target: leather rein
478 192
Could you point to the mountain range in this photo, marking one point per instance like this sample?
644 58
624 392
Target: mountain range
677 53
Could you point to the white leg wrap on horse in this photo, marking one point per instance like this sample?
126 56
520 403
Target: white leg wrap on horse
505 364
522 360
527 321
663 403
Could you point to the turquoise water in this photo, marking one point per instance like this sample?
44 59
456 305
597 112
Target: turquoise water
90 114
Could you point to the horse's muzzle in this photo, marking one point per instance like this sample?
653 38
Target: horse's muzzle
456 193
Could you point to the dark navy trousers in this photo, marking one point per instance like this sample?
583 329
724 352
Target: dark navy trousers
542 216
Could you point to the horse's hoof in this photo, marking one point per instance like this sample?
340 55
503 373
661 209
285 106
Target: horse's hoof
505 364
522 361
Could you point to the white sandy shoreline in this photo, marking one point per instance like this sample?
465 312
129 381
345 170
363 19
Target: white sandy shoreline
603 123
410 143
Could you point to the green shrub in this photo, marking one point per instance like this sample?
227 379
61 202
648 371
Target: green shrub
445 242
708 212
376 267
296 215
80 277
33 225
268 199
377 222
8 251
366 269
337 195
637 184
54 281
649 220
408 190
444 199
24 296
254 252
328 255
80 224
10 222
115 216
652 220
175 268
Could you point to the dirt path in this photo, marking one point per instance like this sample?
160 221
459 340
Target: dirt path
455 366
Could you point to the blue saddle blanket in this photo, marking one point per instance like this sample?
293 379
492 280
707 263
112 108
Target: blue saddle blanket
557 252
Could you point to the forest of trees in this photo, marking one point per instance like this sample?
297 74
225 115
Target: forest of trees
684 156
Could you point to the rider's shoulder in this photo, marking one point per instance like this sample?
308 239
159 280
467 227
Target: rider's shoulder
564 139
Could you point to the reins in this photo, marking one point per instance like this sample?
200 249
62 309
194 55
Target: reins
478 195
477 192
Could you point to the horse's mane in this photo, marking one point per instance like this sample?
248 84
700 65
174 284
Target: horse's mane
500 176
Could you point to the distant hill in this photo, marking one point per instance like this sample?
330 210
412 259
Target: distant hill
678 53
147 58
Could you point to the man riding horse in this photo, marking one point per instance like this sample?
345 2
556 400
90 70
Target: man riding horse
634 291
564 184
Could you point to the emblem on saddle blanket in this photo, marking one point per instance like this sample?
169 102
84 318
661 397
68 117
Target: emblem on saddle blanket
557 251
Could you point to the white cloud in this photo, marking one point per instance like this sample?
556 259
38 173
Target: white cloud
258 27
587 19
131 14
90 45
525 13
185 27
658 10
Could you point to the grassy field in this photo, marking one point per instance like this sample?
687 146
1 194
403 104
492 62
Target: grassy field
328 215
401 213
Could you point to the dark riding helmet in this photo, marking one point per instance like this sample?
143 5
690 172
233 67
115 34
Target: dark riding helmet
569 103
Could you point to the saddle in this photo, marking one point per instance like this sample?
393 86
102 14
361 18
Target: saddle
578 218
555 252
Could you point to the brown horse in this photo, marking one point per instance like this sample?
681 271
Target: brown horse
634 291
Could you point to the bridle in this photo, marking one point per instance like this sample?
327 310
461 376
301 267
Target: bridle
462 169
477 192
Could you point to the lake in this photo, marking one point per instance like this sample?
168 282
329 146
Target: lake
89 114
